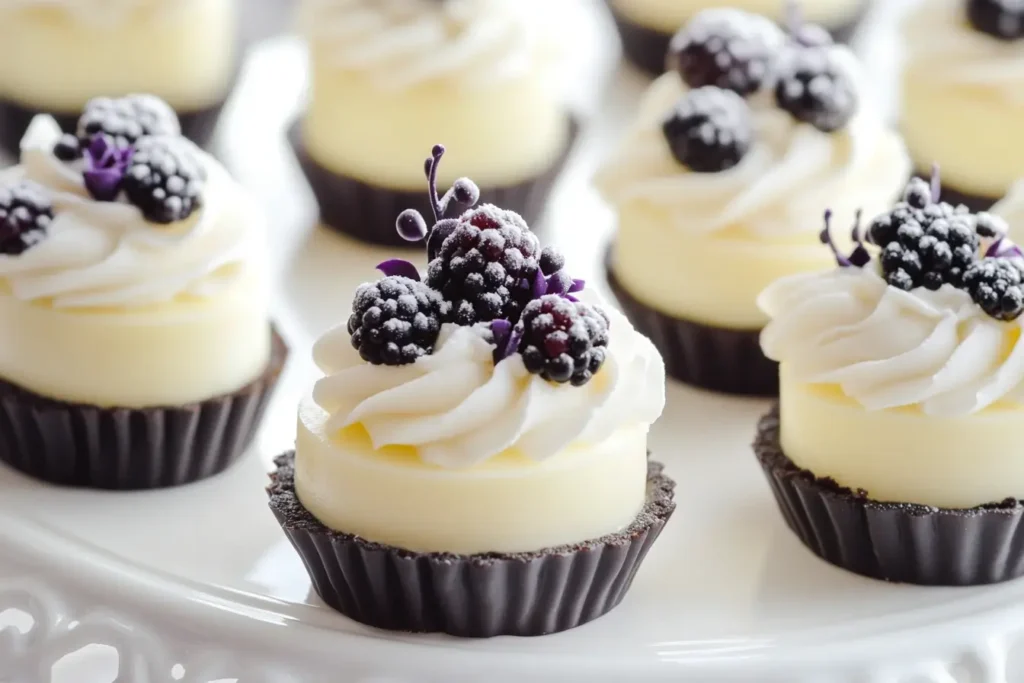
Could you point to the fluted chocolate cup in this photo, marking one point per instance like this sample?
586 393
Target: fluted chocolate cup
80 445
474 596
898 542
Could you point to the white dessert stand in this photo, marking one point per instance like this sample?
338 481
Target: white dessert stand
198 584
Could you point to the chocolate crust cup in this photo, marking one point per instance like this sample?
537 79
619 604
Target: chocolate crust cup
198 125
368 212
473 596
898 542
714 358
86 446
646 47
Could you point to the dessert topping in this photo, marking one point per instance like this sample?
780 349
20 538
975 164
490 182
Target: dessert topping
563 340
395 320
164 179
126 119
25 215
726 48
486 271
105 165
1002 19
929 243
710 130
815 88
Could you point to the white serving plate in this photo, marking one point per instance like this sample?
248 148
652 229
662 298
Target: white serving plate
198 584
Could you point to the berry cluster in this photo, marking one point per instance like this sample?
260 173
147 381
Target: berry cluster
925 242
25 215
1002 19
486 270
726 55
131 146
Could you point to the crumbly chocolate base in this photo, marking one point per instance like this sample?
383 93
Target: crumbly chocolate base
714 358
368 212
197 125
897 542
974 202
646 47
86 446
473 596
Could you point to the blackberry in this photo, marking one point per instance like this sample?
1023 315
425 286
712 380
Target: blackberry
709 130
164 179
68 148
126 119
918 193
25 215
995 284
551 261
815 88
901 266
990 226
485 266
1002 19
725 48
563 340
395 320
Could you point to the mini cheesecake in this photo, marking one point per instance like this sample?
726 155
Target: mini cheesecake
716 180
893 450
136 349
389 77
646 27
56 55
474 459
962 101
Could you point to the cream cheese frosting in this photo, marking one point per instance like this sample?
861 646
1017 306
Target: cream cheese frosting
667 16
58 54
456 453
701 246
392 77
911 396
962 99
112 310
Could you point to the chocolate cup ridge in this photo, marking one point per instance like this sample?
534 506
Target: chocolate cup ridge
715 358
473 596
367 212
897 542
646 48
80 445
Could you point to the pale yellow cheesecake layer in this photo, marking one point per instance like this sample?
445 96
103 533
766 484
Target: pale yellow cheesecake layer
508 503
53 59
901 454
668 16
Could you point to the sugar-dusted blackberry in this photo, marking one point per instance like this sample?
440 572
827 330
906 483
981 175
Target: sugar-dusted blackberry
918 193
126 119
165 179
995 284
68 148
990 226
563 340
25 215
710 130
1002 19
395 320
816 88
901 265
726 48
551 261
485 266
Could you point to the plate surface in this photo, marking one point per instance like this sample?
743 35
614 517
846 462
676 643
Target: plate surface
180 581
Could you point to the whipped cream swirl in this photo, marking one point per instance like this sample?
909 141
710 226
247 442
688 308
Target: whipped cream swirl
458 408
942 46
789 176
102 254
886 348
403 43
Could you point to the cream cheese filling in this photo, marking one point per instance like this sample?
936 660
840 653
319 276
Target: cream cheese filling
53 60
505 504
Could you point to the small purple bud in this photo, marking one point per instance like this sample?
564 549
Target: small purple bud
428 166
103 184
437 151
400 268
577 286
936 184
540 285
559 283
411 225
465 192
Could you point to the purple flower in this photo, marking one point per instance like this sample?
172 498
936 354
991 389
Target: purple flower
506 339
105 166
399 267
